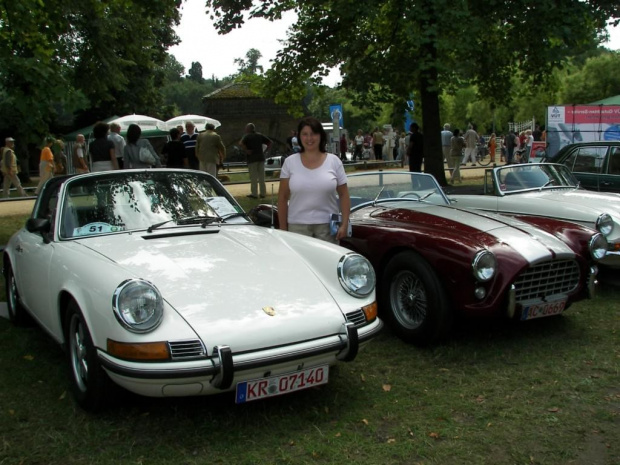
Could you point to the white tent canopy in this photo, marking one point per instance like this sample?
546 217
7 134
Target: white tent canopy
145 122
198 120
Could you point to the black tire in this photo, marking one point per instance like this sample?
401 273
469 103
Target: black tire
484 159
89 382
17 313
414 301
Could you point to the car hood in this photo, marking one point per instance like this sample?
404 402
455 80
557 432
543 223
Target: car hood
474 227
571 204
222 283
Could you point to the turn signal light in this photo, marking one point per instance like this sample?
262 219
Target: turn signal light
370 311
151 351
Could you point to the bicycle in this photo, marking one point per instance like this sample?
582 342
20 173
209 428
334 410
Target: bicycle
483 157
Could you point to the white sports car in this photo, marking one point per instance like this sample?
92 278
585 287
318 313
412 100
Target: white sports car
549 190
157 280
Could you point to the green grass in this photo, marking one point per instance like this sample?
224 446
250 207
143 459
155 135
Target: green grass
541 392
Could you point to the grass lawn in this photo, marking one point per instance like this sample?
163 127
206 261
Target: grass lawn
542 392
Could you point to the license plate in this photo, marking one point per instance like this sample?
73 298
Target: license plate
283 384
540 310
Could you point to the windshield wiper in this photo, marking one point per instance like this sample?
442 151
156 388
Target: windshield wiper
187 220
153 227
374 202
232 215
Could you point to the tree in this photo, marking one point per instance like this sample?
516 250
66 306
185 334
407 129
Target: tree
388 48
598 79
195 72
250 65
100 57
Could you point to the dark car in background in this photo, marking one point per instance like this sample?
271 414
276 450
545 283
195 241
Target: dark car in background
596 165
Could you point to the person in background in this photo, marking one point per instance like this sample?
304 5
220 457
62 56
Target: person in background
529 139
210 150
457 144
60 159
189 141
252 142
492 147
471 142
510 143
101 149
313 186
132 149
359 146
78 155
9 169
119 143
415 151
344 147
174 151
446 137
46 163
377 143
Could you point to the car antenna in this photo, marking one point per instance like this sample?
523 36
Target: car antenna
374 202
272 206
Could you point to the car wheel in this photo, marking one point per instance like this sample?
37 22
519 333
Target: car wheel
17 313
416 303
89 382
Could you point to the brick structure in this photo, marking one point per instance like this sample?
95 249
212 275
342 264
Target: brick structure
236 105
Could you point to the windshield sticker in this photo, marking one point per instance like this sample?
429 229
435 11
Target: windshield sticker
221 205
96 228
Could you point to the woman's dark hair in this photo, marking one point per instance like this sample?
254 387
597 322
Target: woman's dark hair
316 127
100 130
456 132
133 133
174 133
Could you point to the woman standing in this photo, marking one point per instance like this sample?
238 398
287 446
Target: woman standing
457 144
492 147
133 148
46 163
313 186
101 150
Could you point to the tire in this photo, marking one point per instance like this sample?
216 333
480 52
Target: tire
89 382
484 159
17 313
415 301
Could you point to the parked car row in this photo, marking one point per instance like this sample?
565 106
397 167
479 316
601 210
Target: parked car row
159 282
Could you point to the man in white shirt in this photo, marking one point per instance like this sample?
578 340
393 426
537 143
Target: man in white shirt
119 143
471 141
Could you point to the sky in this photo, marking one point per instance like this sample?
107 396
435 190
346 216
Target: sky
216 53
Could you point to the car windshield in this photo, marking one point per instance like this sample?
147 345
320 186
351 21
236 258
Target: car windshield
384 186
520 178
121 201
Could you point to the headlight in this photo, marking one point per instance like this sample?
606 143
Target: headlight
484 265
598 246
605 224
138 305
356 275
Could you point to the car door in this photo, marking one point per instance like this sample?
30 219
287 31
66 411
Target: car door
588 164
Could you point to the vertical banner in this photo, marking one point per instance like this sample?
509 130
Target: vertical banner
409 114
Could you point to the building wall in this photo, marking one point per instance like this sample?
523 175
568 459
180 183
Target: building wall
269 118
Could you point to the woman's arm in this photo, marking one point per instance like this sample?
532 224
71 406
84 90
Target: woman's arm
284 194
345 209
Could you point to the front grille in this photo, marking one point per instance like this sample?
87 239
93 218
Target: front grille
546 279
180 350
358 318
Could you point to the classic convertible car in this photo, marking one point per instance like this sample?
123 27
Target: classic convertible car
549 190
435 262
157 280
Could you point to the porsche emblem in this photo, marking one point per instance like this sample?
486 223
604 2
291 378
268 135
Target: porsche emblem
269 311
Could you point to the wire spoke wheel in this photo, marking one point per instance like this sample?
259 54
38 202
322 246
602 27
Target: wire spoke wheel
408 300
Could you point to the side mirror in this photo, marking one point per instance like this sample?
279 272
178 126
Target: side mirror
42 226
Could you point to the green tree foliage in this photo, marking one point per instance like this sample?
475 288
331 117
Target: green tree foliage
195 72
598 79
249 65
388 48
59 56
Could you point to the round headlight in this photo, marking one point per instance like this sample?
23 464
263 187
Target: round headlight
138 305
605 224
598 246
356 275
484 265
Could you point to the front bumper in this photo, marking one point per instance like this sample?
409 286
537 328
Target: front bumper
224 369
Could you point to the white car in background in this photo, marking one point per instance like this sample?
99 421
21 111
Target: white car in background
158 281
548 190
